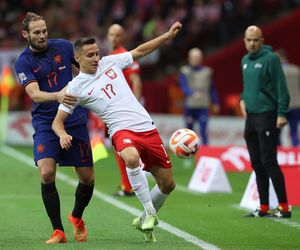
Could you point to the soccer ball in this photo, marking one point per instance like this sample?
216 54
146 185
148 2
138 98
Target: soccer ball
184 143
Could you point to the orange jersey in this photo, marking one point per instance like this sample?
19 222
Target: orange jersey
132 69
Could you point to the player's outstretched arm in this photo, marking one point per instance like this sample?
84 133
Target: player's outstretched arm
148 47
33 90
59 128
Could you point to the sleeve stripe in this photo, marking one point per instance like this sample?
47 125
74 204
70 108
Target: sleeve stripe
31 81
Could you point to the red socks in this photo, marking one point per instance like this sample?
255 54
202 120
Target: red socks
285 207
264 208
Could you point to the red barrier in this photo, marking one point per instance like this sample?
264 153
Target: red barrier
236 159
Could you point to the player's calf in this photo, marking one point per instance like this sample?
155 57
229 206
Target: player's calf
167 187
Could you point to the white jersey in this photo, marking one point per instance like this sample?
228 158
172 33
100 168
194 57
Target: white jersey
108 95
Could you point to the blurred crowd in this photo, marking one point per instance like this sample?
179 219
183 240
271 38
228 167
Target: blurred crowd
207 23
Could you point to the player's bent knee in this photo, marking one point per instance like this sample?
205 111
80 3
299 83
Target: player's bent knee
131 157
132 160
47 176
47 169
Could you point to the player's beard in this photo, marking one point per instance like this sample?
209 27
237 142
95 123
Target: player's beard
36 46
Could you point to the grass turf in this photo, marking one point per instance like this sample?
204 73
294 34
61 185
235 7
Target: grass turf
211 217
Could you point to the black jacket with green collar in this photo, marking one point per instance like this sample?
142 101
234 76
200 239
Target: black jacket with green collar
264 83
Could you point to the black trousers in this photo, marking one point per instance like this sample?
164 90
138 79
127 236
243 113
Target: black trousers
261 136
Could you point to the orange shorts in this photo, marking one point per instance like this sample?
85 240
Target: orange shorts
148 144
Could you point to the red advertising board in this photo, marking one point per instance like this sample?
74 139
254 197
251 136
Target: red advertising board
236 159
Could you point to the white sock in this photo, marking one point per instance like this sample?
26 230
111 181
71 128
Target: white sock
140 186
158 198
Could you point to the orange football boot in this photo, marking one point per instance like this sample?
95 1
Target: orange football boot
80 233
57 237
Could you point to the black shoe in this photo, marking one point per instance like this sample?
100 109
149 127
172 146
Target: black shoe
258 213
123 193
279 213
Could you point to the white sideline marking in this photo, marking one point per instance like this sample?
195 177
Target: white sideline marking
102 196
286 222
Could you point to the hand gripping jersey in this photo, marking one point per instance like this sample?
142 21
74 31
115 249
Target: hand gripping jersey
107 94
52 70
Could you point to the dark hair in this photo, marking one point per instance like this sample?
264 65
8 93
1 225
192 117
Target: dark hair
30 17
83 41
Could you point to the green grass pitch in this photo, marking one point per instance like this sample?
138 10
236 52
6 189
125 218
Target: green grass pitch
213 218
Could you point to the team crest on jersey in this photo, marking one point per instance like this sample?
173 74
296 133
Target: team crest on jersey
58 59
111 74
22 77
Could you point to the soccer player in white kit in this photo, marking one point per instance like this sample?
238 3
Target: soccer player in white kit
101 87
